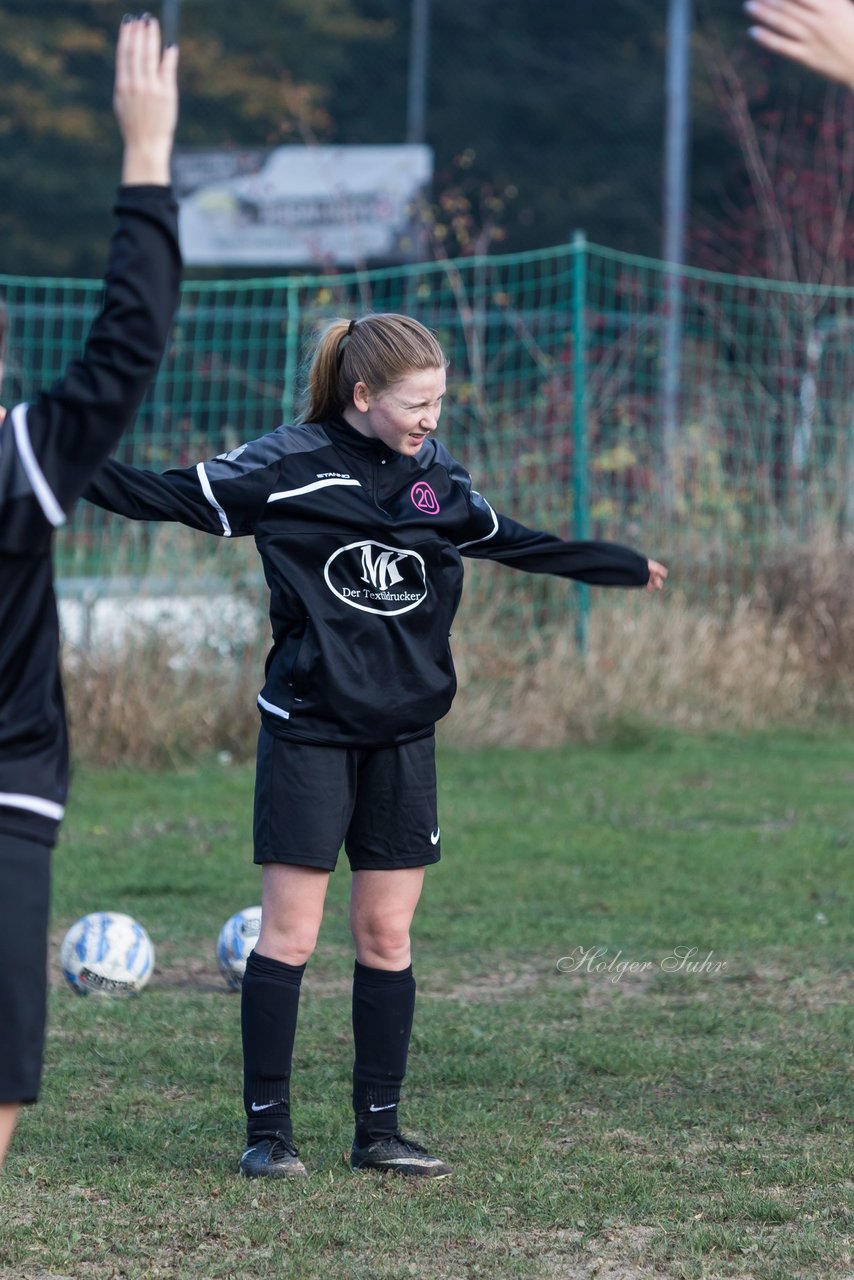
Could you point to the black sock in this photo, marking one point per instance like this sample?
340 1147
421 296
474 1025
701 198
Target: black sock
383 1008
270 1002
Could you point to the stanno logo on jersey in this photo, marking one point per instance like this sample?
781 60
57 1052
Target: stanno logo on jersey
377 578
334 475
424 498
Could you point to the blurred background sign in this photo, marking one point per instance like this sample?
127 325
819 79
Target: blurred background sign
301 206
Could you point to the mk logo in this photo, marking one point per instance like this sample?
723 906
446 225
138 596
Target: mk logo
380 571
377 578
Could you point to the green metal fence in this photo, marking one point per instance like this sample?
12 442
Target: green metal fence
557 403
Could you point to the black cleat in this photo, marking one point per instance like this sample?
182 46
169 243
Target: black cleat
272 1158
397 1154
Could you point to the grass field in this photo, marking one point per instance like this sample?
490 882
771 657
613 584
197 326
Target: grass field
608 1124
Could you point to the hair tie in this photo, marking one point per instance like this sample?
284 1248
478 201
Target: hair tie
342 345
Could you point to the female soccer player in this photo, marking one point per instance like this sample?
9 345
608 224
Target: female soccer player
48 451
360 517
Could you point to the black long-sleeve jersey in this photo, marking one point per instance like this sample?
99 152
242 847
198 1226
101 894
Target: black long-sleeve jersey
49 450
361 548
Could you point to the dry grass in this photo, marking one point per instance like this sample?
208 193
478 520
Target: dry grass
811 591
648 662
132 707
781 657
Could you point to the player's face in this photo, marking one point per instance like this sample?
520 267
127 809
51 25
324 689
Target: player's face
404 414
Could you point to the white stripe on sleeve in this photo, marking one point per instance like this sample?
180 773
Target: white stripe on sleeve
273 709
209 494
486 536
308 488
33 804
47 501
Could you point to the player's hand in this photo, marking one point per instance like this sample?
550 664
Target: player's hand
145 100
817 33
657 574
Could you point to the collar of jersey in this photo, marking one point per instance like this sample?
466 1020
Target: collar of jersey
352 441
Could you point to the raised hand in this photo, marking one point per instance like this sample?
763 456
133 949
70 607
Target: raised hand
145 100
817 33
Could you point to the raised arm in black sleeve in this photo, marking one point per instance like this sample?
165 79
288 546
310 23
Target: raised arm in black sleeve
50 448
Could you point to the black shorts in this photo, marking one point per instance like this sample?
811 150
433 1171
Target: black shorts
24 908
380 803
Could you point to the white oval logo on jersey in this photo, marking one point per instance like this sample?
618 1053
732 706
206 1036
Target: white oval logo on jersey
376 578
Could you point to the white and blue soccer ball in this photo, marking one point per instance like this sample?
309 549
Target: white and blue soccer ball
237 938
107 954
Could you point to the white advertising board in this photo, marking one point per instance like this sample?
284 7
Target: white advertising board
300 206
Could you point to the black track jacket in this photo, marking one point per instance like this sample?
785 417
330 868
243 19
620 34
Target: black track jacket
48 452
361 548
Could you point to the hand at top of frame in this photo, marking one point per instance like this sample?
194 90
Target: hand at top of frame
657 574
145 100
817 33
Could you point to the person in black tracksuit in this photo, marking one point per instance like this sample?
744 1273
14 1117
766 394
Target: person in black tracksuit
49 449
361 518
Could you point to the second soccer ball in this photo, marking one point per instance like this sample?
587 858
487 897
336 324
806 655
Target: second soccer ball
236 939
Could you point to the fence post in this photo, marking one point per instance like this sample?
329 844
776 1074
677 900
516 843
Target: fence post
581 493
289 390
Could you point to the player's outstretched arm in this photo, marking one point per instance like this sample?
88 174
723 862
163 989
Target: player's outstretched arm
601 564
817 33
224 496
145 100
493 536
176 496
